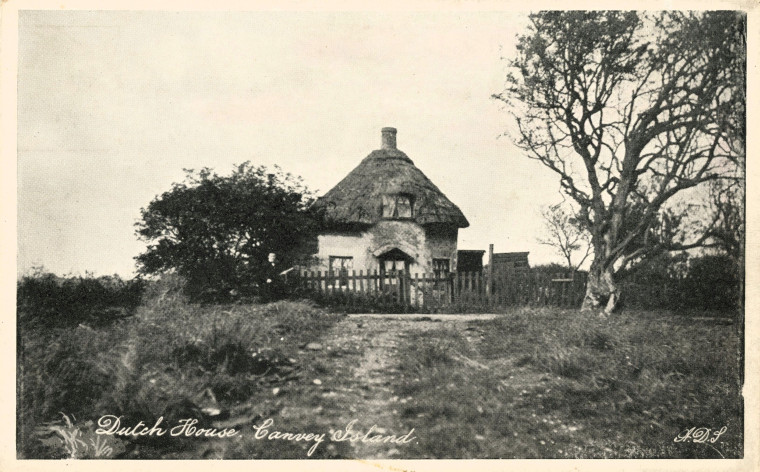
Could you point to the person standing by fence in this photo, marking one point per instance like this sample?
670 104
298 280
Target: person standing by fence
273 286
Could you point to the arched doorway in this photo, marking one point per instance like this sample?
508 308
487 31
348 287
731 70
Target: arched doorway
394 273
394 261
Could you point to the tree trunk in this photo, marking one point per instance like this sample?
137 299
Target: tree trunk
601 290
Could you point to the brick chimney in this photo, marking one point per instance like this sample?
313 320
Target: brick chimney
389 138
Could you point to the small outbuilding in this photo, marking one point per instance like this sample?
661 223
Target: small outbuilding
386 215
510 261
470 260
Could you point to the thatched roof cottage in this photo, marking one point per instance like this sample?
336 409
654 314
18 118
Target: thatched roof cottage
387 215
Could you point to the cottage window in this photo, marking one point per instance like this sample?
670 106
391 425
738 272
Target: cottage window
397 206
440 268
339 267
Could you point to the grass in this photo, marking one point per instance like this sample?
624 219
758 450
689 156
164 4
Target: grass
532 383
167 359
551 383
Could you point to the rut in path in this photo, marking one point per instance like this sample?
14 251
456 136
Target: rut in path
373 378
375 342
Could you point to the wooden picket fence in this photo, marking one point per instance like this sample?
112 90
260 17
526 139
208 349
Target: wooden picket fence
428 293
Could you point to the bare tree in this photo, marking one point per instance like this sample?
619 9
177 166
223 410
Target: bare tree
566 235
630 110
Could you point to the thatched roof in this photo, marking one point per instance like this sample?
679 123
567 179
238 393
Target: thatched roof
357 199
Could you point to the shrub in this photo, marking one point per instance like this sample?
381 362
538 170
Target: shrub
217 230
44 299
709 282
168 289
715 283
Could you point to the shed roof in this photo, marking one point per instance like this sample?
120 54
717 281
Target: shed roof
510 256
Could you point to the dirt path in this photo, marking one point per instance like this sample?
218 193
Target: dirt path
371 377
485 400
350 383
347 383
367 364
432 317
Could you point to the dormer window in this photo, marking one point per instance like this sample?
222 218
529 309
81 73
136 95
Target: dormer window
398 206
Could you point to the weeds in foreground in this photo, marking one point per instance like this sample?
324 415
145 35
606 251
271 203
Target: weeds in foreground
561 383
170 359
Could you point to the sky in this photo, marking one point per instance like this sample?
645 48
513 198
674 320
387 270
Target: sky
113 105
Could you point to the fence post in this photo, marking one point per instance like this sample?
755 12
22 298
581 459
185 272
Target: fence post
480 288
361 289
489 283
384 287
376 288
500 288
389 288
473 282
402 289
448 284
571 296
407 290
352 292
417 290
540 292
399 289
455 288
464 293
